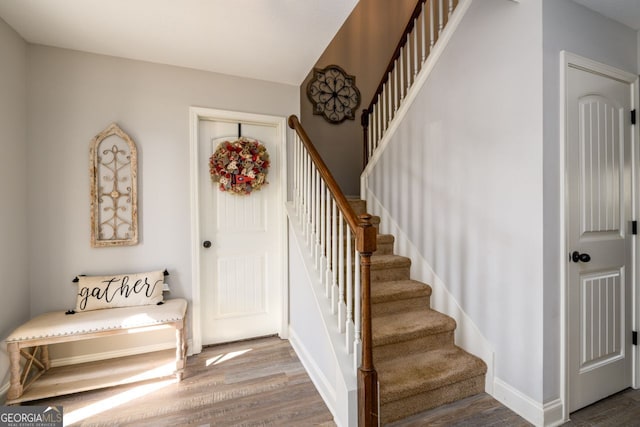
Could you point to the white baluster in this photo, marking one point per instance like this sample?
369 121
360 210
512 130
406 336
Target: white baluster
295 172
318 219
440 16
308 199
312 191
401 58
357 334
432 25
450 8
390 99
305 167
323 229
334 258
383 101
370 140
296 194
329 228
423 45
396 97
342 306
408 69
350 302
415 49
379 119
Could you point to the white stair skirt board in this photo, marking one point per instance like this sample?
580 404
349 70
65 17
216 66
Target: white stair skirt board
467 334
339 392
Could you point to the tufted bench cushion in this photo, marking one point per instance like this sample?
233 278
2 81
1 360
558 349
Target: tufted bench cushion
58 324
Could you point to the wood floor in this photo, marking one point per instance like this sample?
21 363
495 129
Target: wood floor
262 383
253 383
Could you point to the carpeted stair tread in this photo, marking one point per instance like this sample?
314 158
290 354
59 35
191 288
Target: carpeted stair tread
405 326
396 290
419 373
381 262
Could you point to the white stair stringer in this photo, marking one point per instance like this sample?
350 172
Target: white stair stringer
314 332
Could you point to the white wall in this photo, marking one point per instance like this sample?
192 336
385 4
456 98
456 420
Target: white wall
14 304
568 26
73 96
463 178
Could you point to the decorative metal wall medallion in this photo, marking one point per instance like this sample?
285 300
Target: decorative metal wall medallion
113 168
334 94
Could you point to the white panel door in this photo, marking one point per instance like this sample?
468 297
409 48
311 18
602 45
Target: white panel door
241 270
599 242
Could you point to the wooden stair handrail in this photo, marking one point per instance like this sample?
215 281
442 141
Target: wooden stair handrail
341 200
396 53
366 243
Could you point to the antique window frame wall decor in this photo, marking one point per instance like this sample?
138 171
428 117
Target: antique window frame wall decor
114 188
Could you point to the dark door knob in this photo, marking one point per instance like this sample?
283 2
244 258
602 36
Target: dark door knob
206 244
578 257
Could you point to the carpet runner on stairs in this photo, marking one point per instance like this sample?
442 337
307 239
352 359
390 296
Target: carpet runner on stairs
419 366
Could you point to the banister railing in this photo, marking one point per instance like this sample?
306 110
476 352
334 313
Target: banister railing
427 21
329 225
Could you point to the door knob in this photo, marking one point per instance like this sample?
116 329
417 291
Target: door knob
578 257
206 244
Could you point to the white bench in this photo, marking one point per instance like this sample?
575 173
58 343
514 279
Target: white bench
30 342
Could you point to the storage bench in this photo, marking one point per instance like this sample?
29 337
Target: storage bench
35 380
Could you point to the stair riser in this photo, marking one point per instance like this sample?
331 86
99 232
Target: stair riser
390 273
398 306
384 249
416 345
411 405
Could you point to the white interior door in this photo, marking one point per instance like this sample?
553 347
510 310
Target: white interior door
241 277
599 242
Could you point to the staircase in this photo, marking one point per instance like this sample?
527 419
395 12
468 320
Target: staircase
419 366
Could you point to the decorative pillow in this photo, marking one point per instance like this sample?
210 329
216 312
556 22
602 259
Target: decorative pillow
119 290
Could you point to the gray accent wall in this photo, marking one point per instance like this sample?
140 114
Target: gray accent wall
576 29
14 174
362 47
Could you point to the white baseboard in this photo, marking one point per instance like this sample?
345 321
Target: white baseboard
540 415
130 351
553 413
467 334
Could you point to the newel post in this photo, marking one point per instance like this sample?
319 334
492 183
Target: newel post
367 375
364 120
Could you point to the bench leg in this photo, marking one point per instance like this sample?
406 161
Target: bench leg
45 357
15 386
181 348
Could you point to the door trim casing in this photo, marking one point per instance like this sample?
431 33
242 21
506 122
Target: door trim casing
197 114
568 60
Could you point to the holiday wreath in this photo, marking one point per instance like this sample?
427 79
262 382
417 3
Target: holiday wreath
240 166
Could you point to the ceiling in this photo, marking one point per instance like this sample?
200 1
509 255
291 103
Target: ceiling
274 40
625 11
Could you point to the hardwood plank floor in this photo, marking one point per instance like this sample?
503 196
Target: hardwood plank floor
262 383
620 410
253 383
